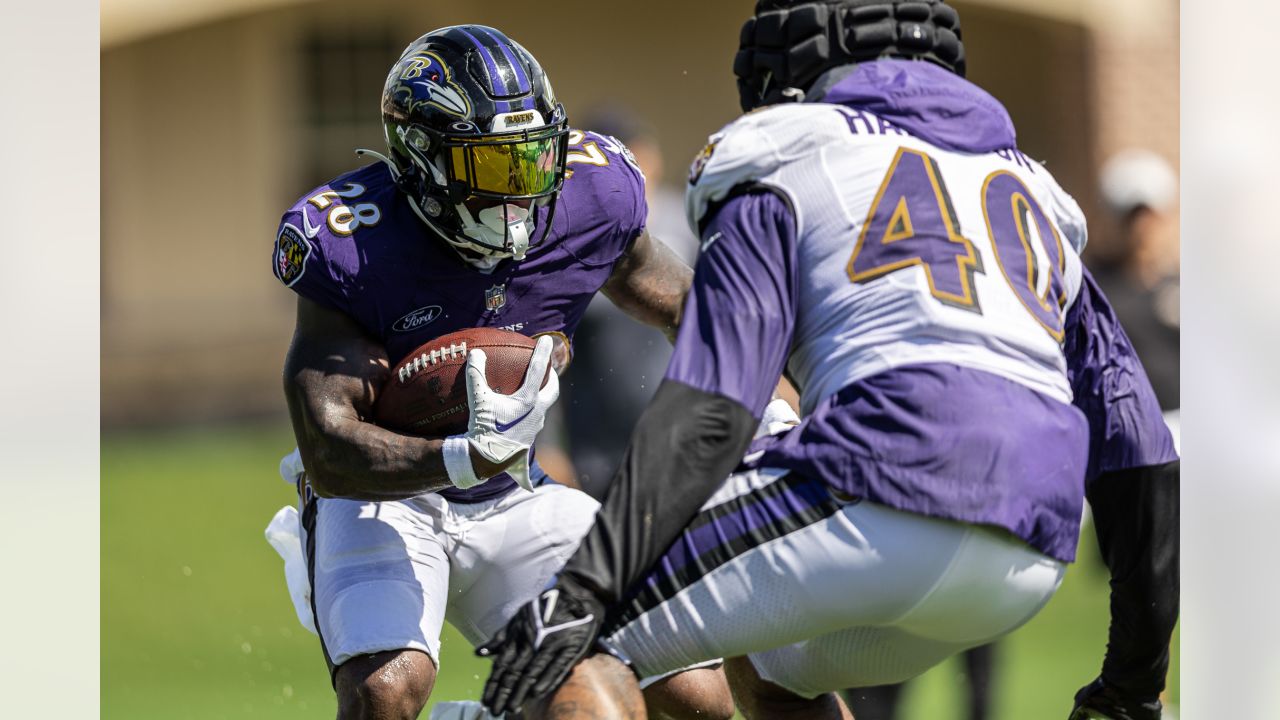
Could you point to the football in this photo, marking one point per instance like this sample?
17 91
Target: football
427 392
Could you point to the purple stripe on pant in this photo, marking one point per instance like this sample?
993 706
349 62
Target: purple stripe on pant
723 524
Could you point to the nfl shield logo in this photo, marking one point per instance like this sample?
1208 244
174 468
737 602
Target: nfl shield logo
495 297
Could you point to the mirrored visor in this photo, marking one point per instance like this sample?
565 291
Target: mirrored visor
523 166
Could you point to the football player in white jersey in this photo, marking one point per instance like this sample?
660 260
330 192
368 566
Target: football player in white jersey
872 230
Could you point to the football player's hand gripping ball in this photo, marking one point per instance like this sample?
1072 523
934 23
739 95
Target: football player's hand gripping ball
534 653
1099 701
503 427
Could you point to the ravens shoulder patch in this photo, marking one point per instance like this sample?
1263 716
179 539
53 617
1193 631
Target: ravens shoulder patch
292 251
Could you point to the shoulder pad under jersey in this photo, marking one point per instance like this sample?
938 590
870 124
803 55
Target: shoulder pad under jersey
603 198
756 145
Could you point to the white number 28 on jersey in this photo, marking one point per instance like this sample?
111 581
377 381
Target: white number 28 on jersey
343 218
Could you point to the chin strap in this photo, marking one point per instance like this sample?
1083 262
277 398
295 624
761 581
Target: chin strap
395 171
504 223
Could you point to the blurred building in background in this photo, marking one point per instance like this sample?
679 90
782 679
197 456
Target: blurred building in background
217 115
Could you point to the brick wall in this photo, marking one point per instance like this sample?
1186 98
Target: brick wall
1135 93
1136 86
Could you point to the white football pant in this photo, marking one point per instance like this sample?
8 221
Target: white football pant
386 575
825 594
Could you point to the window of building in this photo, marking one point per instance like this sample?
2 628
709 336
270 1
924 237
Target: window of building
343 71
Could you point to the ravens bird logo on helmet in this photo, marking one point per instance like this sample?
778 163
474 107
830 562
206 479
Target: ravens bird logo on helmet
477 140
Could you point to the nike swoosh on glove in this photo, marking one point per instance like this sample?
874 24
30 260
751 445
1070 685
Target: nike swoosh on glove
1099 701
534 653
503 426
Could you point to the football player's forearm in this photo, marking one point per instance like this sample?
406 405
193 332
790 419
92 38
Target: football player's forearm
650 284
655 300
361 461
1136 517
346 457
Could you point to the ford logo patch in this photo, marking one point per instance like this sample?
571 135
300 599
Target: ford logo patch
417 319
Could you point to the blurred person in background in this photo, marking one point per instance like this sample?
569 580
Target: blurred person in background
617 364
1135 510
1141 280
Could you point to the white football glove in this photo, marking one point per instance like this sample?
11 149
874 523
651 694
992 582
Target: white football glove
503 426
778 417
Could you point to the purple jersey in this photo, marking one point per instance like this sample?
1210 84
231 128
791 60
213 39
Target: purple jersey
355 245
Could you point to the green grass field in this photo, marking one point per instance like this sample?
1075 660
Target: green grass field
197 624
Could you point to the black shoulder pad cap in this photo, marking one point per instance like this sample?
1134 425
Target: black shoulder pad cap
789 43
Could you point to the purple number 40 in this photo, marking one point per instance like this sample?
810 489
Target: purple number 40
912 221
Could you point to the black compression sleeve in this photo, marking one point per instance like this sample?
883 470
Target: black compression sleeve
1135 512
683 447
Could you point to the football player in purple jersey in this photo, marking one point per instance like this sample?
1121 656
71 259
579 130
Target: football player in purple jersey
871 227
488 211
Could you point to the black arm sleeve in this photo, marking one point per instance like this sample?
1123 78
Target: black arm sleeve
734 338
688 441
1135 512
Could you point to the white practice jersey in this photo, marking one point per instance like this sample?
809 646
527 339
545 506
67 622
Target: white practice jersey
907 253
